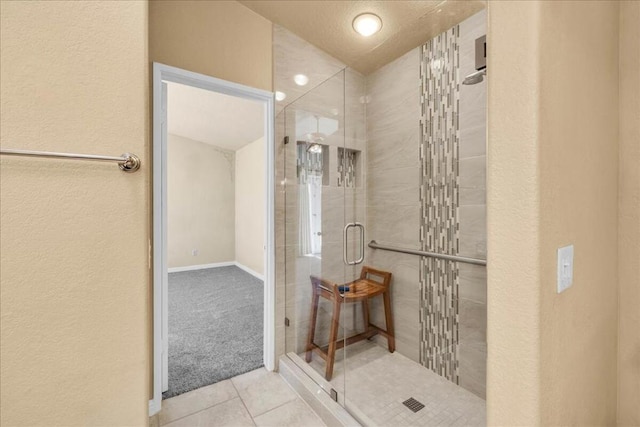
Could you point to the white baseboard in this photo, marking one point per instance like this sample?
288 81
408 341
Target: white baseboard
217 264
250 271
201 266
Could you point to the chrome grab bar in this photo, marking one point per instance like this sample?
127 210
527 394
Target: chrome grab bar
375 245
127 162
344 243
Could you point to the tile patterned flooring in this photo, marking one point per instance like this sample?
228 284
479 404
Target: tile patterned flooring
257 398
377 382
375 385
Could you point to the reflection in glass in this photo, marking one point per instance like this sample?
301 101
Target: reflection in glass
310 166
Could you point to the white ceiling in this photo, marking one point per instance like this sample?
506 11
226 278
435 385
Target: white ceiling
224 121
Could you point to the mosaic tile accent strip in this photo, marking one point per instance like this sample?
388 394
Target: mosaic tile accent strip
347 167
439 196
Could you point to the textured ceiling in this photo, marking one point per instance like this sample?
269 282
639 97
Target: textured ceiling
327 25
213 118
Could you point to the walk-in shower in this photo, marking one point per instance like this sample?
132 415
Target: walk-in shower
395 330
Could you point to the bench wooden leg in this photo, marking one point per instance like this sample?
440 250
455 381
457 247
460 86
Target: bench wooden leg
391 340
365 314
333 337
312 325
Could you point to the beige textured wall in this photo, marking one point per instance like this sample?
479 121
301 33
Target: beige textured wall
513 300
73 238
250 197
629 217
578 179
200 203
553 154
223 39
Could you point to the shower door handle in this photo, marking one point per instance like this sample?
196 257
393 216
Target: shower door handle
345 243
361 257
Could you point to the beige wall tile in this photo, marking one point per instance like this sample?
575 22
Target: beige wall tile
293 55
473 177
395 225
389 148
472 359
473 105
473 321
473 231
392 88
473 282
391 187
473 141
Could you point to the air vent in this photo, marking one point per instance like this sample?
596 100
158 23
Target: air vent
413 404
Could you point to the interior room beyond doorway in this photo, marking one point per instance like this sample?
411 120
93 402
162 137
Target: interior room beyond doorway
215 237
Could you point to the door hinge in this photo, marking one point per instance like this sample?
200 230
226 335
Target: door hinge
286 321
334 394
286 140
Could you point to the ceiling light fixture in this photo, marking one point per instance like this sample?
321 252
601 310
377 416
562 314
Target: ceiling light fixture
280 96
301 79
367 24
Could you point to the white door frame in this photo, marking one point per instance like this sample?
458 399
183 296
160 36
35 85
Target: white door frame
164 73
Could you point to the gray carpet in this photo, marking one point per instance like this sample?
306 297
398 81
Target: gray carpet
215 327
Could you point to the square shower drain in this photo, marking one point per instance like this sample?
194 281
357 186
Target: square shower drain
413 404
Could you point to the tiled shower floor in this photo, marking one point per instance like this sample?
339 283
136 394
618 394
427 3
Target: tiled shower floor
377 382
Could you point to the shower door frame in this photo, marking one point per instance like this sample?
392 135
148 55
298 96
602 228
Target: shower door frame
157 253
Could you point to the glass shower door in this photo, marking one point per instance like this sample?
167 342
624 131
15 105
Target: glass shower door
314 223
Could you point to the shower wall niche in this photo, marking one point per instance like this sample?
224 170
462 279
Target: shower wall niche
349 168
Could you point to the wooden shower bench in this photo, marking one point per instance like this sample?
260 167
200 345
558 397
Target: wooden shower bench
372 282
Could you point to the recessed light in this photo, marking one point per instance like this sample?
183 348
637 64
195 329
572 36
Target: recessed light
301 79
280 96
367 24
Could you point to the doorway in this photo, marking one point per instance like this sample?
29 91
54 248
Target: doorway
213 231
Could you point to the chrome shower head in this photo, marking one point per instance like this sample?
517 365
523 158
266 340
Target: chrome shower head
475 78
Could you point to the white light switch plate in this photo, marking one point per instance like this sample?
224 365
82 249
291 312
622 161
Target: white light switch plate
565 268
